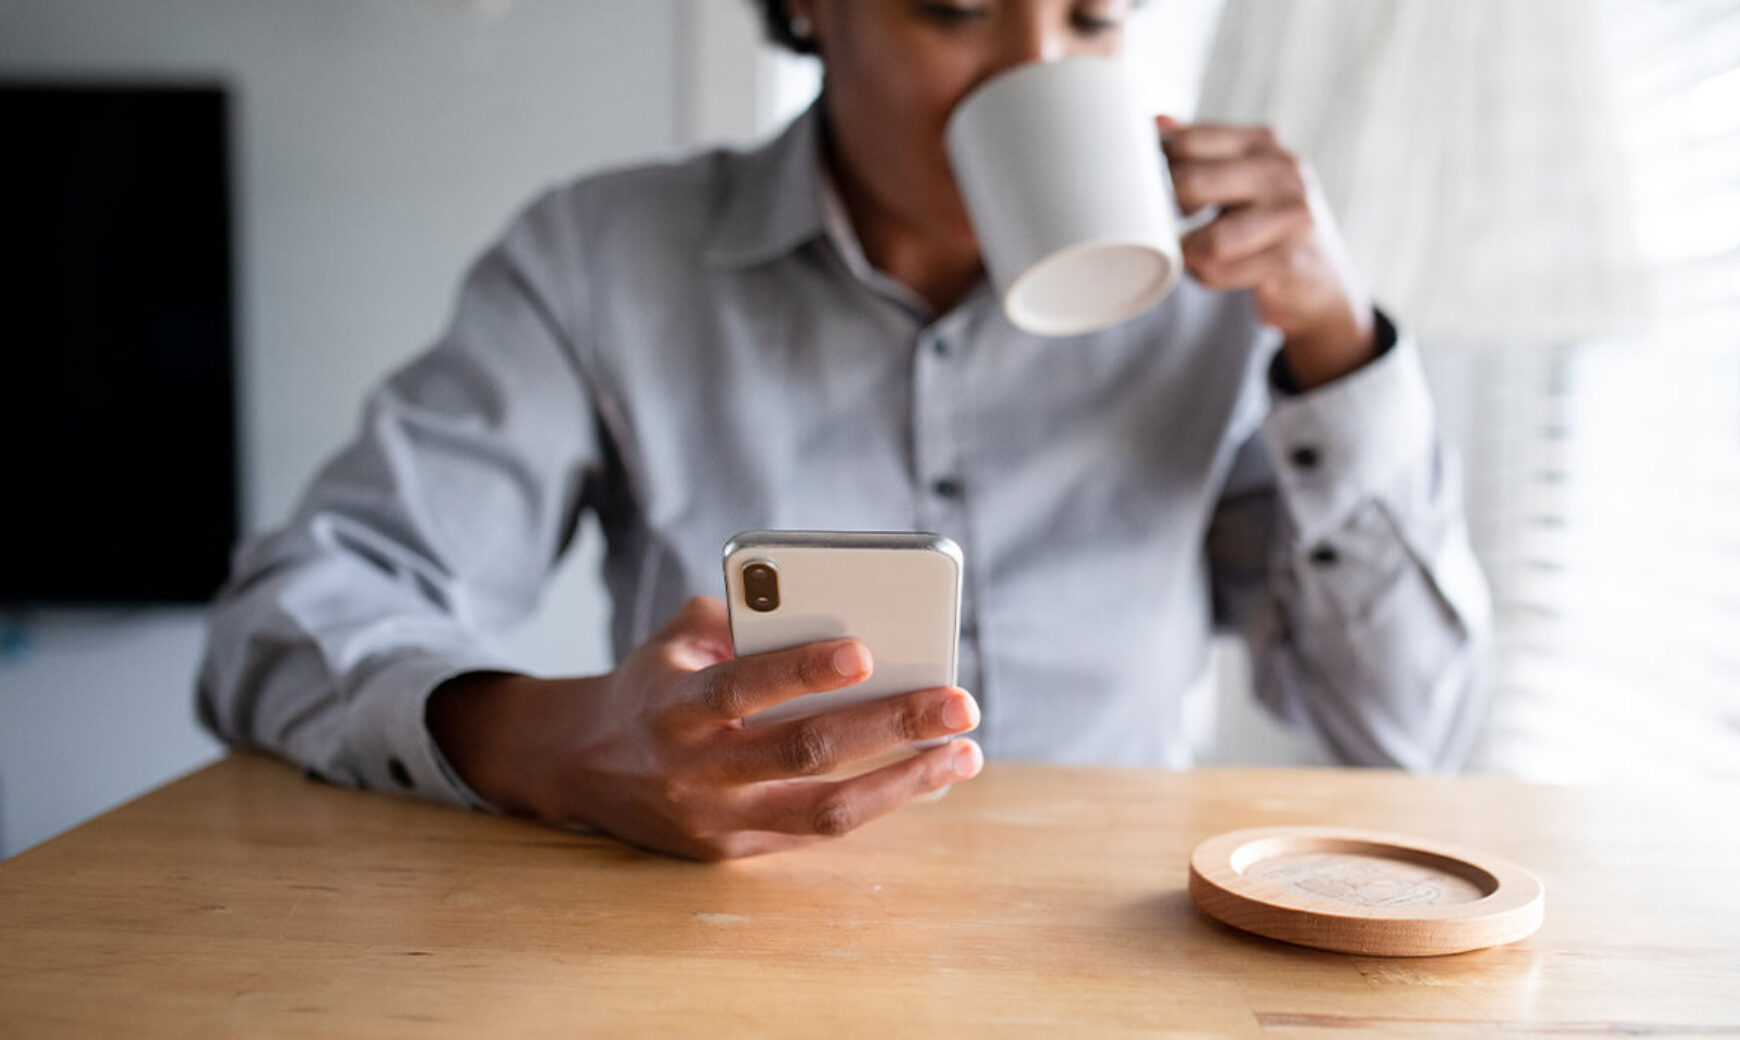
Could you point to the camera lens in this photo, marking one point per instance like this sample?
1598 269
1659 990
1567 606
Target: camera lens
761 587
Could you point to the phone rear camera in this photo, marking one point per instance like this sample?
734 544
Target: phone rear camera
761 587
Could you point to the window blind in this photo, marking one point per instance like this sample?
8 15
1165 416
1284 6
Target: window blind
1611 528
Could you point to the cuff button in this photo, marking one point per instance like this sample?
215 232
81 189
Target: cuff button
1305 457
1325 556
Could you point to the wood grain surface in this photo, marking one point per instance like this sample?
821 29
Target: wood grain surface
246 901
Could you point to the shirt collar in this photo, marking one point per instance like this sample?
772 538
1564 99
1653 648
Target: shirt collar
782 196
837 222
773 197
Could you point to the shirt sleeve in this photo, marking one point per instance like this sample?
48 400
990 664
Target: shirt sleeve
436 526
1340 551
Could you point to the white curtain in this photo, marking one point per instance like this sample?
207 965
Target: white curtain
1467 146
1558 181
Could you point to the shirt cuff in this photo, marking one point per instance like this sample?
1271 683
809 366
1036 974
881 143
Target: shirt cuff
389 740
1351 440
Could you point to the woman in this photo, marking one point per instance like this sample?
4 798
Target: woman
801 336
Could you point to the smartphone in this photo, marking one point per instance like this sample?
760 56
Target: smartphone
900 593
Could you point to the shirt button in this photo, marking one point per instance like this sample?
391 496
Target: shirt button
969 633
1305 457
940 347
401 776
946 487
1325 556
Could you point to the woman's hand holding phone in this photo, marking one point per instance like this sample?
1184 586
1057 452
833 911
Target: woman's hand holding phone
656 752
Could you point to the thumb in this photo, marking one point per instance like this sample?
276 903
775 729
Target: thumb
1166 124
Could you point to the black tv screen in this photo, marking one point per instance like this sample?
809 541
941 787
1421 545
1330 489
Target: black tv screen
116 353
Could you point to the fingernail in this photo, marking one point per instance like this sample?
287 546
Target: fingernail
968 760
851 659
960 713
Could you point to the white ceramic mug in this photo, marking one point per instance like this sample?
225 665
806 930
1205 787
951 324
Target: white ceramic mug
1068 192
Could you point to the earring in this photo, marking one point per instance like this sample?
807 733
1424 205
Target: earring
800 27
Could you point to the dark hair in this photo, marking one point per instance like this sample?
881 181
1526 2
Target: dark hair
776 22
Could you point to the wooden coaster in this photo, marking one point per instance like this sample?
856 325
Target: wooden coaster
1365 892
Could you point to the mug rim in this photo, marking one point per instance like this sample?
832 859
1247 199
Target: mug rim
1023 70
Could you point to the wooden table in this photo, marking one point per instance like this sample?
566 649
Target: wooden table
244 900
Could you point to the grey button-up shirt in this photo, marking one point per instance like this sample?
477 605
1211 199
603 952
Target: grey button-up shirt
695 349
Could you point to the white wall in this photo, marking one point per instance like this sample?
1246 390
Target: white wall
380 144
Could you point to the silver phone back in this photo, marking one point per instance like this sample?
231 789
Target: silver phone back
898 592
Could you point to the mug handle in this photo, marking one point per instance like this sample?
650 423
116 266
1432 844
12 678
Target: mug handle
1187 222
